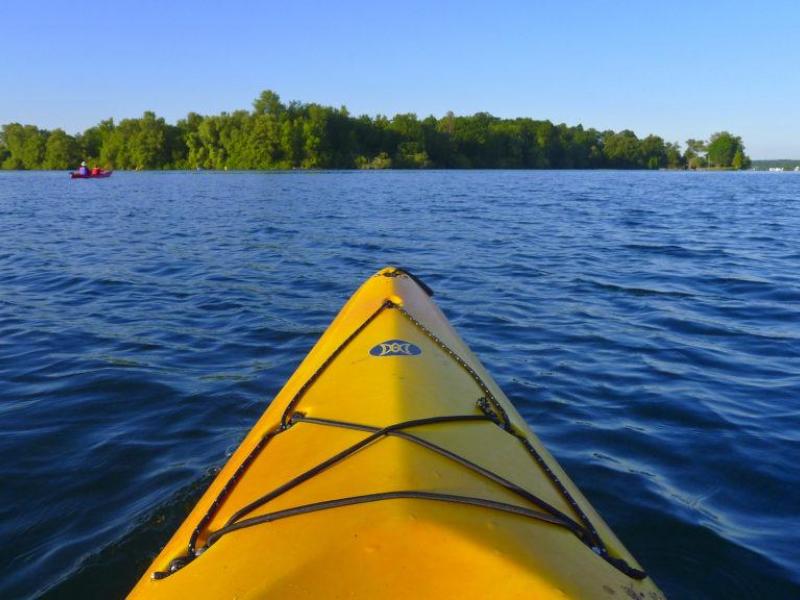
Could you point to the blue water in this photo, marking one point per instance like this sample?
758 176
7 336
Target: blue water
646 325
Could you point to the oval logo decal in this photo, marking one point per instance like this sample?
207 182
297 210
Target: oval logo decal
395 348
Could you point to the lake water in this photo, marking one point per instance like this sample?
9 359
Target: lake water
644 323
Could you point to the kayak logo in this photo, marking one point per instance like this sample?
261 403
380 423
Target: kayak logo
395 348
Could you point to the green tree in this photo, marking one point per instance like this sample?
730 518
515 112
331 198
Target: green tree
148 144
316 151
12 137
740 159
722 149
653 152
292 142
411 155
92 140
25 146
137 144
675 159
696 147
694 155
62 151
622 150
268 103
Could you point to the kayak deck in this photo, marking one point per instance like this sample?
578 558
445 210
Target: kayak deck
391 464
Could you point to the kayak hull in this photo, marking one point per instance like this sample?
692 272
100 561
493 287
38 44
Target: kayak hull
436 502
104 174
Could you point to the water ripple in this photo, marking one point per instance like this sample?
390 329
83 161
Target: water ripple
645 324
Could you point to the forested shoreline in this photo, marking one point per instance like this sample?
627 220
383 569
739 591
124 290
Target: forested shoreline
275 135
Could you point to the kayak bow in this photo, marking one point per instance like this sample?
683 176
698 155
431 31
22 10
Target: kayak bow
392 465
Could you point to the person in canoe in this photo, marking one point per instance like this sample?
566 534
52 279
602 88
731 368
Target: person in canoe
83 169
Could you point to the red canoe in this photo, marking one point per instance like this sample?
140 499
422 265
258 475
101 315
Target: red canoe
76 175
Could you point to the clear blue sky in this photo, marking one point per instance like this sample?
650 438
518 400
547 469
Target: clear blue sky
677 69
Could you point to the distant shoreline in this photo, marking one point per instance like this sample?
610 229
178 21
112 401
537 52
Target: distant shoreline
406 170
787 164
296 135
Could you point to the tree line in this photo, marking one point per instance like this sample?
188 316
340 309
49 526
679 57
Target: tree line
274 135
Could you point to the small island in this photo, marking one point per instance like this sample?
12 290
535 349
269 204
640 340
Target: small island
274 135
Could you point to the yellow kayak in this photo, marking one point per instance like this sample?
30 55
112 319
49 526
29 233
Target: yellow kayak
391 465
